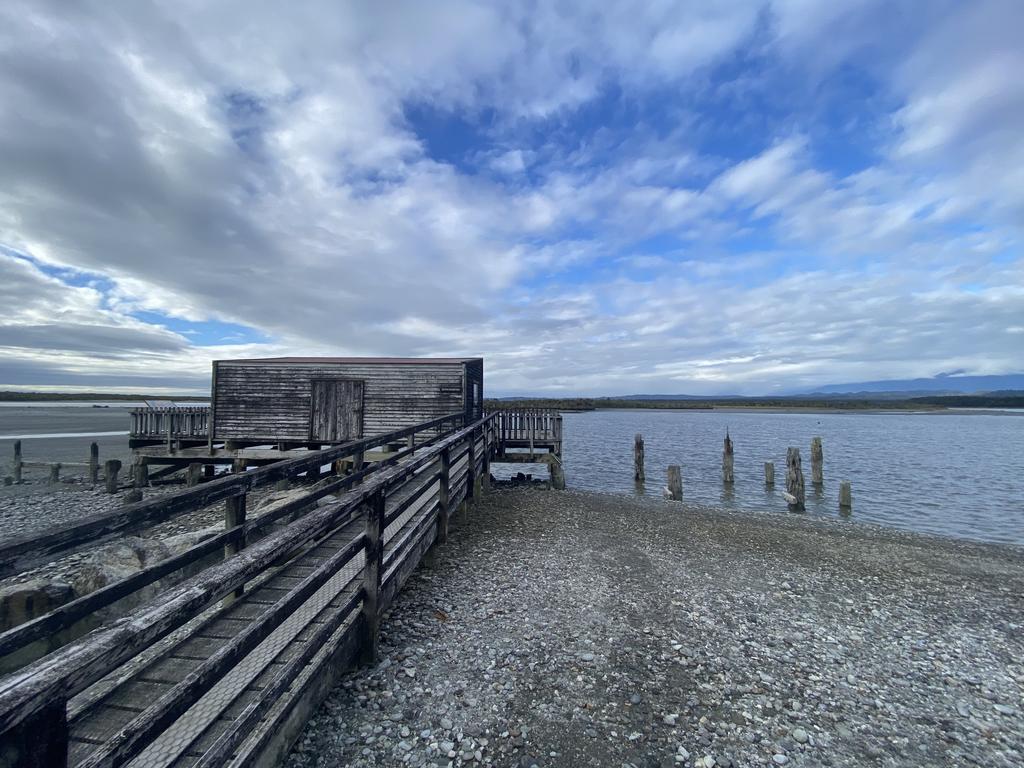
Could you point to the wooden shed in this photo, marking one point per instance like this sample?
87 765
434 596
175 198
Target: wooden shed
334 399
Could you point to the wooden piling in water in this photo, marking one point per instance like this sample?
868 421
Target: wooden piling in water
675 482
110 469
794 480
17 461
55 473
727 460
845 496
638 458
769 474
817 462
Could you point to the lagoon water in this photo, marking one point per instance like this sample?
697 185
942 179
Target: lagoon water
952 473
62 432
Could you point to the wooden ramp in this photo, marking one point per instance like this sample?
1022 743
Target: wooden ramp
225 667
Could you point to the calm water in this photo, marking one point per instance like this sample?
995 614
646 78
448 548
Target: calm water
958 474
35 424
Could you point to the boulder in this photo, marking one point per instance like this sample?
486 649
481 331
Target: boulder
118 561
182 541
23 602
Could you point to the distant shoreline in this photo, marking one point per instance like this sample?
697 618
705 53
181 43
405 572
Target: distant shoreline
78 397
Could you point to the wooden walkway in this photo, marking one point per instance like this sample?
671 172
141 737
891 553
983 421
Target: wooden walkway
225 667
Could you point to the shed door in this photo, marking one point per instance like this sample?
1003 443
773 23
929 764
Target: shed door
336 410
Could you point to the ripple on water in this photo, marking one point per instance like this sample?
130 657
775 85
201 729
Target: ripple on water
956 474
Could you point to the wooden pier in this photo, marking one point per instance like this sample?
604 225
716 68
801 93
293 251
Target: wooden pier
224 667
532 436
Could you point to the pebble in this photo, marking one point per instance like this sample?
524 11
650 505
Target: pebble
708 664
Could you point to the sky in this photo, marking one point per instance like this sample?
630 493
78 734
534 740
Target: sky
598 199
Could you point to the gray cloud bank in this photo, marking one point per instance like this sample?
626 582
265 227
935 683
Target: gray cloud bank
231 162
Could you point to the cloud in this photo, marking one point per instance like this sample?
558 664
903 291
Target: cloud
602 198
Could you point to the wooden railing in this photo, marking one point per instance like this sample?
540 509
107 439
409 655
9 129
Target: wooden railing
429 480
26 552
178 422
530 427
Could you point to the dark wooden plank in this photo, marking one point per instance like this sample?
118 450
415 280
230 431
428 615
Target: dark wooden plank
81 663
163 710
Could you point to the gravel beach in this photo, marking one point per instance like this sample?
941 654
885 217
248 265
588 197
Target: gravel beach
576 629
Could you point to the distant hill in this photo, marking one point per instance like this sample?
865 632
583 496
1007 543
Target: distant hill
943 384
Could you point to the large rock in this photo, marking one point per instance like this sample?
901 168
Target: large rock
23 602
182 541
118 561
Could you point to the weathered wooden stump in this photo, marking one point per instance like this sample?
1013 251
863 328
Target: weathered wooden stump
110 469
795 480
194 474
140 473
769 474
727 461
55 473
817 462
94 463
556 474
675 482
16 467
845 497
638 458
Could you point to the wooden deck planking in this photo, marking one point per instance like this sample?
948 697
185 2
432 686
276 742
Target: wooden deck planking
412 506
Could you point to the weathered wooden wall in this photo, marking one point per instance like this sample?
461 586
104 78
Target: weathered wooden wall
474 375
263 400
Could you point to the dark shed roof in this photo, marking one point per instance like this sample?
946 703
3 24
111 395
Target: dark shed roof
371 360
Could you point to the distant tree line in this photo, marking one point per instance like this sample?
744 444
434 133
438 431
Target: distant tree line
991 400
596 403
9 397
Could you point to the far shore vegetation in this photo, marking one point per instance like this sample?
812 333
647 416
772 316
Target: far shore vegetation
935 403
42 397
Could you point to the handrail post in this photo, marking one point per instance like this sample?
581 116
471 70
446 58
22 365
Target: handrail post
372 572
485 475
39 741
234 515
444 495
471 467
